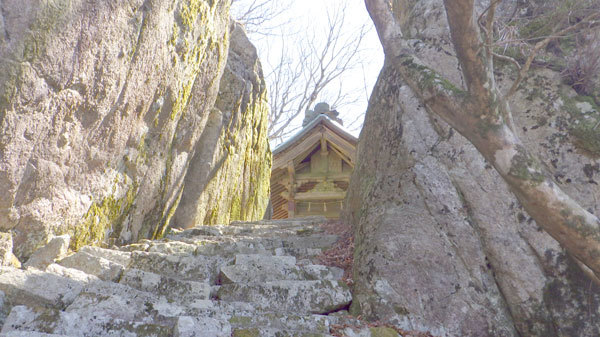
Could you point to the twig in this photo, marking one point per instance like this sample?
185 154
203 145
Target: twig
507 58
543 44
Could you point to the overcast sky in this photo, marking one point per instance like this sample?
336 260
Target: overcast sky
302 17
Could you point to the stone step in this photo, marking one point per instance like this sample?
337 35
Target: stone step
114 255
30 334
313 241
270 332
280 321
269 324
305 221
254 325
171 288
211 246
266 228
41 288
249 268
311 244
118 301
199 268
198 326
26 321
93 265
268 286
317 297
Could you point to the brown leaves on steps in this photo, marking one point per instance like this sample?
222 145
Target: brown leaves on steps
341 255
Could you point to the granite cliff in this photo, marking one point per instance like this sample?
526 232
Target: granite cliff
442 245
110 110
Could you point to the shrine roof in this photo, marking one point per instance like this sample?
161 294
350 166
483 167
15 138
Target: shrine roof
321 119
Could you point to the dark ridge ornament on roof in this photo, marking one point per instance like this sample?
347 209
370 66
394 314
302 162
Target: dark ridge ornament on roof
321 114
321 108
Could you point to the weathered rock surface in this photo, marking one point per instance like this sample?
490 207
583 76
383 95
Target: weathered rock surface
441 244
56 248
173 299
104 105
102 268
230 172
7 258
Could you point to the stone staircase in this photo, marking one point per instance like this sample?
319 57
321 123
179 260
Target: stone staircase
245 279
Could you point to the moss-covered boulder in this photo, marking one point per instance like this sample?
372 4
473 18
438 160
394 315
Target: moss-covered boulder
229 175
102 106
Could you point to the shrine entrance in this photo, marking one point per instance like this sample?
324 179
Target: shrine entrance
311 170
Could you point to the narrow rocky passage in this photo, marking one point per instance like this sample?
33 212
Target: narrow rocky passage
245 279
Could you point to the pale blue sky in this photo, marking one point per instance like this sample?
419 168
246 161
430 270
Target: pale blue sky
301 16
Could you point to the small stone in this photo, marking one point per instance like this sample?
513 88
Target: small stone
93 265
56 248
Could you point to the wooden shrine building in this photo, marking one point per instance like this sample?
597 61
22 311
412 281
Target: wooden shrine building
311 170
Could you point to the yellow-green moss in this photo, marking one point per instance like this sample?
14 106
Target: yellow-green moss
235 210
195 50
246 333
49 16
10 74
428 78
383 332
240 320
190 10
183 98
175 35
231 201
526 167
584 126
102 218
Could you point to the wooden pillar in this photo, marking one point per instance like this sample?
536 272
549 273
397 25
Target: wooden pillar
324 145
291 190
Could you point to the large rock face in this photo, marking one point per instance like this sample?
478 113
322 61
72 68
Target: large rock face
441 244
102 107
229 177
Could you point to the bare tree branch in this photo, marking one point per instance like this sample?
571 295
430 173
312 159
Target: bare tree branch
296 86
542 44
258 16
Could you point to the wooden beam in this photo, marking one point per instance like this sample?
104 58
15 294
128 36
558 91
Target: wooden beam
292 189
320 196
343 156
324 144
343 145
298 151
305 177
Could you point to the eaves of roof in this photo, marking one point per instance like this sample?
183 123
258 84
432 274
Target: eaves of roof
331 124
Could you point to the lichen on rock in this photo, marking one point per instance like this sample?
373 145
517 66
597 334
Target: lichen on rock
231 183
441 244
100 119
